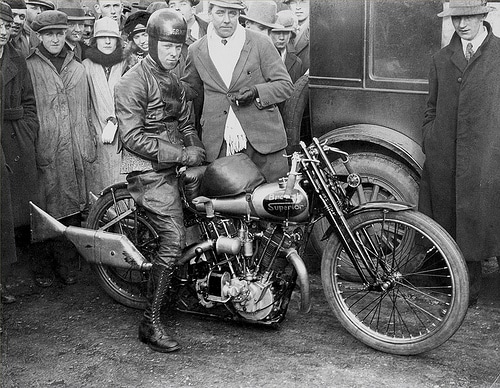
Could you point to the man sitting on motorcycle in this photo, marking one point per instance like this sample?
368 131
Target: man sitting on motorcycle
157 137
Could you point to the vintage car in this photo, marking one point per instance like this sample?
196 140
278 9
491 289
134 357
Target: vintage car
367 86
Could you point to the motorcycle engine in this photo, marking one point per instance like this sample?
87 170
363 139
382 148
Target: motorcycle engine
257 284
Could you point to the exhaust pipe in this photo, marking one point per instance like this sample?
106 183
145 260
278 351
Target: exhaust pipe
303 277
96 247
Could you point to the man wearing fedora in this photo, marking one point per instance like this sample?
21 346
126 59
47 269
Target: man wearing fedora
260 16
242 78
74 33
280 35
461 139
66 145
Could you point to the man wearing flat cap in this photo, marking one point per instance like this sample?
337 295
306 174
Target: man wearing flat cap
242 78
19 37
461 137
66 145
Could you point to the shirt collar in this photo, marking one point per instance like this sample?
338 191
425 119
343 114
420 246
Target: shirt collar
477 41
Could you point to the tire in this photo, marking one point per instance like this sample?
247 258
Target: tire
383 179
296 115
407 310
126 286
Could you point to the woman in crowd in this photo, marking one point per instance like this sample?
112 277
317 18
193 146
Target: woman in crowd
104 67
137 46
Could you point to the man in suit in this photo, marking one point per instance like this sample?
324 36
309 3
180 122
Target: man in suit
243 79
280 35
197 27
301 41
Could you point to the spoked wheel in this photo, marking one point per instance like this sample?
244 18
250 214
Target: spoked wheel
126 286
406 308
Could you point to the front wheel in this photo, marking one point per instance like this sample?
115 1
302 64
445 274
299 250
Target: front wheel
412 293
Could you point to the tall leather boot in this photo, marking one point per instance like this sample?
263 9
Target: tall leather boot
151 331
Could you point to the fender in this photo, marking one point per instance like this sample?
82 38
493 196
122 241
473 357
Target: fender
390 139
114 187
394 206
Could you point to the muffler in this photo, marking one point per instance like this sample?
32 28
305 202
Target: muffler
96 247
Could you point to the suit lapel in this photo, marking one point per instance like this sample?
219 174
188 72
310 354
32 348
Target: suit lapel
209 65
457 55
240 65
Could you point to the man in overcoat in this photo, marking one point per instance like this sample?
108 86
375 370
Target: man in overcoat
243 79
66 144
461 137
19 133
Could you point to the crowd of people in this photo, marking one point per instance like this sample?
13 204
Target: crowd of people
98 93
102 92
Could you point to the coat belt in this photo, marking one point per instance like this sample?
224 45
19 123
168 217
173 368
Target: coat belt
12 114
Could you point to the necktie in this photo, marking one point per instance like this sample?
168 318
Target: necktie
224 41
469 52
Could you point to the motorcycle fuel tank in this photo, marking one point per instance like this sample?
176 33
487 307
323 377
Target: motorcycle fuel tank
267 202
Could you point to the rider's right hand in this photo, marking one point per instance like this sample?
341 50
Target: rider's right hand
193 156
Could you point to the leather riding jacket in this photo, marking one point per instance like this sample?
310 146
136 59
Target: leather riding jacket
153 116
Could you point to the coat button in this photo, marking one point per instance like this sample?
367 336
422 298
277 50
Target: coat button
225 112
13 135
459 79
17 158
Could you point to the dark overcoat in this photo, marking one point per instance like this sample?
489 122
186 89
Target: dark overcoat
460 184
19 133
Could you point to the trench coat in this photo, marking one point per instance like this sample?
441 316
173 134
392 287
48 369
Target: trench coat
259 65
106 168
66 143
19 133
460 184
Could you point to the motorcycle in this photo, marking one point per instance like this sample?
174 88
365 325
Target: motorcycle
393 277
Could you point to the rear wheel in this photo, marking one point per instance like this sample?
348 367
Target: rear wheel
126 286
420 294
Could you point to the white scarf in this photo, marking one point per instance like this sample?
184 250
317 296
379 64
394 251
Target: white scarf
225 57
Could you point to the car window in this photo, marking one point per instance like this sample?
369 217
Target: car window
403 35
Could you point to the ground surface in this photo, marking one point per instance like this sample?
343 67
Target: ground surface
76 336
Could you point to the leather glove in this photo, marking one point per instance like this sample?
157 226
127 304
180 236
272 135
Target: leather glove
246 96
193 156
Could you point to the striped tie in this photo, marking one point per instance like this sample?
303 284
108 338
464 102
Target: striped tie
469 52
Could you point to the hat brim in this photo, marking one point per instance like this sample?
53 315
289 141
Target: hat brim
106 34
268 25
223 4
47 5
53 27
6 18
466 11
79 18
283 29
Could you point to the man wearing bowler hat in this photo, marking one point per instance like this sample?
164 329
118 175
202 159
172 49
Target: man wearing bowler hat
280 35
461 137
242 78
260 16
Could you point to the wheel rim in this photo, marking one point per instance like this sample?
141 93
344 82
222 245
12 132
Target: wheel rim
128 283
406 304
